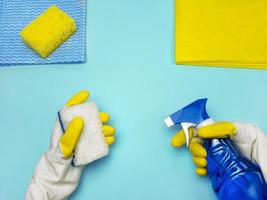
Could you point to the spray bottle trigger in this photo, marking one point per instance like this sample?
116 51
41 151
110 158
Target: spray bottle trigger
186 127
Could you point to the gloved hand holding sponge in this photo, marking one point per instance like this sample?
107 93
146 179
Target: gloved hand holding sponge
58 172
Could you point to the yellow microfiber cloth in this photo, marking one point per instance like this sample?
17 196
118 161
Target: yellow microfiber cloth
221 33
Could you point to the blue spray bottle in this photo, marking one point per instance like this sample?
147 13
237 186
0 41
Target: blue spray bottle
233 176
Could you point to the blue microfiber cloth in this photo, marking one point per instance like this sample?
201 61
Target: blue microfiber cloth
16 14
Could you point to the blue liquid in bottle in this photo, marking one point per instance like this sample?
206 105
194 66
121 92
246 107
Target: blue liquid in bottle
233 176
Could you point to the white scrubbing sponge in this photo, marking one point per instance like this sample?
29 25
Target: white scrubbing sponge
92 144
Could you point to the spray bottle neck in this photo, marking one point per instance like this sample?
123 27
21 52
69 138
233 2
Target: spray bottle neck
205 123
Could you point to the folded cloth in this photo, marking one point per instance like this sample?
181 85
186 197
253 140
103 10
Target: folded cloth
221 33
16 14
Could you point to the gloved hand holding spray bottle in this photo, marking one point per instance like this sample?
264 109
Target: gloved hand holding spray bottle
232 175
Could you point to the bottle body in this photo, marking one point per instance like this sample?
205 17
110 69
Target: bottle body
233 176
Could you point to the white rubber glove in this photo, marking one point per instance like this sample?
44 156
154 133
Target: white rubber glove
55 177
252 142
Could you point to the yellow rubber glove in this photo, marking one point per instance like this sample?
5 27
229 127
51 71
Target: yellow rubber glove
216 130
69 139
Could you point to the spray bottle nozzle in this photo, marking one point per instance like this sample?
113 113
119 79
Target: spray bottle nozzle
191 115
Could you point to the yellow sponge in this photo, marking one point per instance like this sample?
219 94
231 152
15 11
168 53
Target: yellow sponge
48 31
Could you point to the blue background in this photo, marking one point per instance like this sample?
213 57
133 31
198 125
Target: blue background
130 71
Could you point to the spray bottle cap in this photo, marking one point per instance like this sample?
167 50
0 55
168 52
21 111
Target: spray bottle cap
191 115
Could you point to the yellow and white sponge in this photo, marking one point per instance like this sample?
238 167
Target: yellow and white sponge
92 144
48 31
